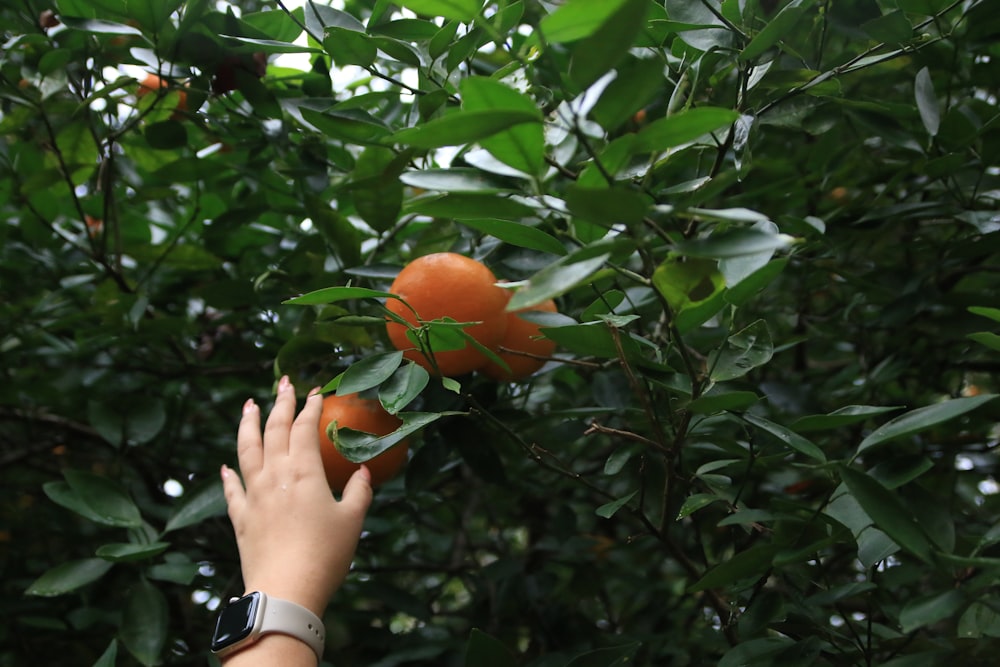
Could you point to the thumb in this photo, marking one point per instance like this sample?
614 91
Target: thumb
357 494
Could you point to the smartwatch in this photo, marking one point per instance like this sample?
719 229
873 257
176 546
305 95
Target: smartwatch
245 619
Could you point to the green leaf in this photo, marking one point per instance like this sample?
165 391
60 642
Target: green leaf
722 401
787 436
521 147
927 101
119 552
109 656
887 512
594 339
555 280
603 50
756 652
992 313
979 621
608 510
349 47
923 418
517 234
733 244
64 496
99 26
108 502
404 386
692 287
681 128
779 27
613 656
145 622
462 127
890 28
153 14
204 503
576 19
742 352
458 10
68 577
751 563
377 192
930 609
851 414
454 180
167 135
607 207
695 502
78 151
483 650
350 125
370 372
359 447
327 295
471 207
987 338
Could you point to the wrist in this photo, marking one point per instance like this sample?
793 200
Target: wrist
246 620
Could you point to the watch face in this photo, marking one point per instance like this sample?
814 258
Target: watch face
235 622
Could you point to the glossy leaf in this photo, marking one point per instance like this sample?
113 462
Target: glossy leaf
521 147
144 623
369 372
119 552
107 502
68 577
787 436
682 128
202 503
482 650
360 447
463 127
887 512
921 419
459 10
403 387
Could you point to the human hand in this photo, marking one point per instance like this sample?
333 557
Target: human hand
296 541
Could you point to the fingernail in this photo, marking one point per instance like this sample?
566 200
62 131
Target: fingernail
224 471
249 406
284 384
366 473
314 391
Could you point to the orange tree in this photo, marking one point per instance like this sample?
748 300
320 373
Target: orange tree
767 434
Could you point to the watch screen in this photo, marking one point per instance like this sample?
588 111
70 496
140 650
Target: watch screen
235 622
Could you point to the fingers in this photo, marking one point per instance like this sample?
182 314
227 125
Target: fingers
304 438
248 442
357 494
279 422
232 489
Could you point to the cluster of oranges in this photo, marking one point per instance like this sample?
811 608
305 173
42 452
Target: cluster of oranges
449 285
438 286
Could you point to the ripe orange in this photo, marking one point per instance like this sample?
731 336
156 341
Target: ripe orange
522 336
360 414
152 83
447 284
94 225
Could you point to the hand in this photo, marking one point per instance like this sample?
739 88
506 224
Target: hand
296 541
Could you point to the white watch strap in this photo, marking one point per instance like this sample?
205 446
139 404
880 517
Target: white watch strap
295 620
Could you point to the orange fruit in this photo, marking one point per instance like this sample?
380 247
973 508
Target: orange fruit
152 83
521 336
447 284
360 414
94 225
